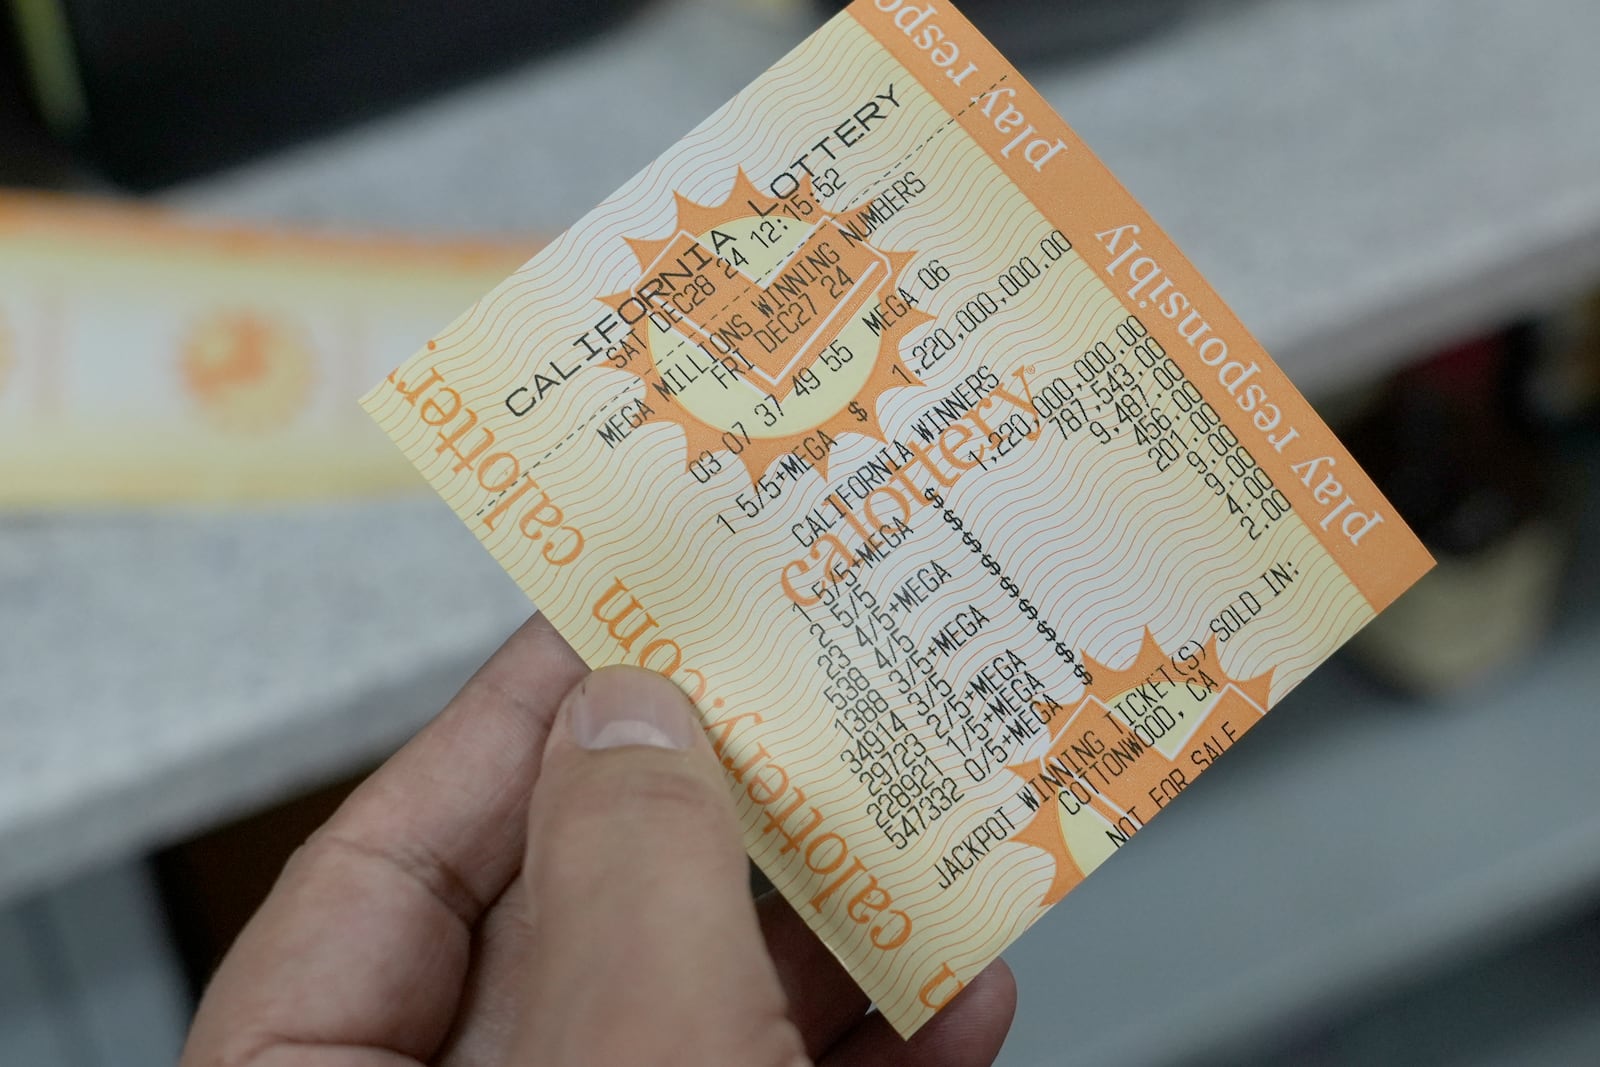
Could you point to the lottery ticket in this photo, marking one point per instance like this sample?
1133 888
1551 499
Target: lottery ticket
878 415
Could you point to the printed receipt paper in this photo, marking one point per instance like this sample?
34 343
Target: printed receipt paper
883 420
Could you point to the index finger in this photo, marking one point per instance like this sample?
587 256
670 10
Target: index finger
365 938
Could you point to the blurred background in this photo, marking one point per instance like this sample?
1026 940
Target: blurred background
221 221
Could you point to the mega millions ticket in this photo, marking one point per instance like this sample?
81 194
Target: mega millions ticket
877 415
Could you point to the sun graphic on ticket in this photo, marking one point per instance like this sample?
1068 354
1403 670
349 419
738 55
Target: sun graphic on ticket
769 326
880 418
1126 749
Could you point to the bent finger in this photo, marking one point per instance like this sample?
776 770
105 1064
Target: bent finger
365 938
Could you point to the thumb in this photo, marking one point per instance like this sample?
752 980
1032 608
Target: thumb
646 944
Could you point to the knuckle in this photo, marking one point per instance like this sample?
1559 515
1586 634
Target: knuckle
645 801
672 793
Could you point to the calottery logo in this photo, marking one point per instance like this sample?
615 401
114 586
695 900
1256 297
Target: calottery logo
245 371
1135 741
769 326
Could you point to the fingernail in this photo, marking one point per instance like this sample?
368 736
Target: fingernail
619 706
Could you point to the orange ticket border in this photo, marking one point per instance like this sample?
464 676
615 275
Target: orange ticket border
1078 194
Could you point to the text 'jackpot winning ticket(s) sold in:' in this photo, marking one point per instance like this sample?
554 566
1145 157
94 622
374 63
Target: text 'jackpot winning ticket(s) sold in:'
877 415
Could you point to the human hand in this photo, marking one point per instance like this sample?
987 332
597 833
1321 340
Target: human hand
537 880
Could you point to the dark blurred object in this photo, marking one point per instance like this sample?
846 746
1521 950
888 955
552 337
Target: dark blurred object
156 90
1029 29
27 155
1482 496
1554 375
